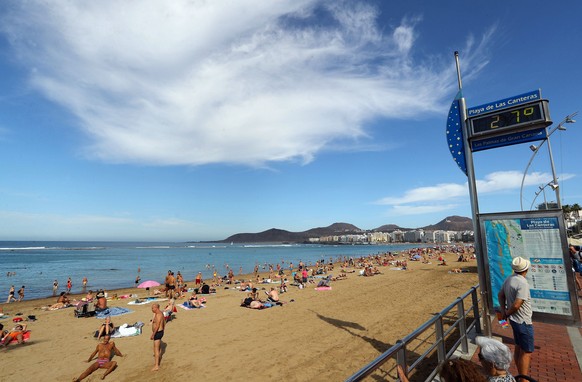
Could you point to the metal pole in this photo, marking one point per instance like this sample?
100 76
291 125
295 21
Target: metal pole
556 187
568 119
474 208
525 173
459 81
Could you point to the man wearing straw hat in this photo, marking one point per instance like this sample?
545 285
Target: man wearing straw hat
515 303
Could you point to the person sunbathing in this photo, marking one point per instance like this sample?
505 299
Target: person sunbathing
170 309
193 302
106 329
63 299
101 301
256 305
273 295
254 294
15 334
62 302
104 352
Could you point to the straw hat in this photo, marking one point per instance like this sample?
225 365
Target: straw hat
519 264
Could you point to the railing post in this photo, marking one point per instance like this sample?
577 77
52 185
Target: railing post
462 326
401 356
476 311
440 338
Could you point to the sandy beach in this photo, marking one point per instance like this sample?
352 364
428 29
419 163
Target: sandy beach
320 336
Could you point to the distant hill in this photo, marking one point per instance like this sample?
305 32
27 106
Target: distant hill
279 235
452 223
389 228
275 235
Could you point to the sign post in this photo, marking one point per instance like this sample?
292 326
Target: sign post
538 236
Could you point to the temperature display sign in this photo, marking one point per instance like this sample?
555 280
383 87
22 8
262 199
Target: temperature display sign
526 116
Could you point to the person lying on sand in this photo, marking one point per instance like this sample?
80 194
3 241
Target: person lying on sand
193 302
15 334
105 351
256 305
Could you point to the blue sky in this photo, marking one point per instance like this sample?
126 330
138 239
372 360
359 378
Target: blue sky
148 120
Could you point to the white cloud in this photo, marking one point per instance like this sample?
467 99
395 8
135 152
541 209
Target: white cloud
192 82
429 199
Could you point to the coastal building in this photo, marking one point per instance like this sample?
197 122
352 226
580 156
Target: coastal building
414 236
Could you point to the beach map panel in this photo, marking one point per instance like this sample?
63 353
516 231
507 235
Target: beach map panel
537 239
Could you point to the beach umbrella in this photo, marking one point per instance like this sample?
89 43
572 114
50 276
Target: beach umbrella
149 284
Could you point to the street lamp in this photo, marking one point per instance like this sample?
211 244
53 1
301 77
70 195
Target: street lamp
542 189
536 149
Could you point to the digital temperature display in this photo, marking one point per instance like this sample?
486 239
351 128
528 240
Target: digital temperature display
528 115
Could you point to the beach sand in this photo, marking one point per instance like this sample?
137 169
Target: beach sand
321 336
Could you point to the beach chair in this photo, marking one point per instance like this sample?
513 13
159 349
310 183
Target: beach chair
85 310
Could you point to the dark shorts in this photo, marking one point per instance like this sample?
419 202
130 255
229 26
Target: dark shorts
523 334
158 335
171 287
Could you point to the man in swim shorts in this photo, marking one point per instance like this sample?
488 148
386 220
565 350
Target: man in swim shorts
158 326
105 352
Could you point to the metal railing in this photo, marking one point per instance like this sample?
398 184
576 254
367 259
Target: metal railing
447 338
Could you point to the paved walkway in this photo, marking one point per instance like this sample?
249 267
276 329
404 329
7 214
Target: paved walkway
558 350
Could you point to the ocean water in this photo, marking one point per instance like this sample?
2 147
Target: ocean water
112 265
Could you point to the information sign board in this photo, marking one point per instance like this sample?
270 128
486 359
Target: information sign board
534 95
540 237
508 139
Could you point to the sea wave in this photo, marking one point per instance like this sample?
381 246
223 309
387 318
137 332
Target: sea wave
268 245
51 248
22 248
207 246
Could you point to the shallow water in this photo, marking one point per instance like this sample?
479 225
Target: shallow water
112 265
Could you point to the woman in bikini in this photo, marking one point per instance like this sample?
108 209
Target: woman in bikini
107 328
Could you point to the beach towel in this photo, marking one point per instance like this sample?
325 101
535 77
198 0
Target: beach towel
146 301
113 311
185 306
323 288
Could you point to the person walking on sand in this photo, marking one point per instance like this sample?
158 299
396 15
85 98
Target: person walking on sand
21 294
515 306
105 352
11 295
158 326
179 280
55 287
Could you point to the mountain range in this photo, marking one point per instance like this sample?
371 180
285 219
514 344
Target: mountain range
274 235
